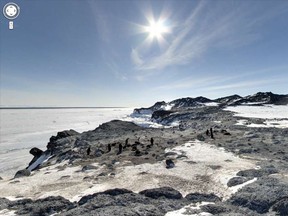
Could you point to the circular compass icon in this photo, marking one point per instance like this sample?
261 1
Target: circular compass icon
11 11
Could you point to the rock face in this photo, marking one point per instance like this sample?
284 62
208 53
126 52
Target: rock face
264 98
165 192
45 207
259 98
150 110
52 145
198 197
161 114
111 202
261 195
237 180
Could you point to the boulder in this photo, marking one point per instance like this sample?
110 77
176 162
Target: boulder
36 152
89 167
237 181
214 209
281 207
22 173
198 197
43 207
110 192
166 192
4 203
200 137
170 164
257 173
261 195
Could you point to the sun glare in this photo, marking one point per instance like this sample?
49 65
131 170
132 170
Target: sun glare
156 29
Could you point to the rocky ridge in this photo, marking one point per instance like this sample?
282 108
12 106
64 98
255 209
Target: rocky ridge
120 141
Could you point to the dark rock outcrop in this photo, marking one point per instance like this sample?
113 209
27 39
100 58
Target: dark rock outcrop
170 164
281 206
4 203
214 209
54 146
238 180
261 195
36 153
150 110
257 173
198 197
45 207
160 114
166 192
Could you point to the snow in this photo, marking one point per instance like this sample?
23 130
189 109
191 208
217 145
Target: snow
275 116
7 212
23 129
167 107
40 160
265 111
211 104
143 120
189 175
267 123
192 206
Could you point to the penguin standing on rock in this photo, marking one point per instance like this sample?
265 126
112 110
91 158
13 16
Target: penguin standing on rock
88 150
120 149
152 141
109 148
211 133
126 143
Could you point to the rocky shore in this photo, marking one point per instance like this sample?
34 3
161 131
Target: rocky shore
201 162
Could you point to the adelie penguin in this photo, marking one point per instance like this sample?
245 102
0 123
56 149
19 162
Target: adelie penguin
108 148
211 133
126 143
151 141
89 150
120 149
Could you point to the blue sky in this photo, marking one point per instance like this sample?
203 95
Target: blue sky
100 53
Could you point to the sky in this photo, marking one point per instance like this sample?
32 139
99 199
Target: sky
133 53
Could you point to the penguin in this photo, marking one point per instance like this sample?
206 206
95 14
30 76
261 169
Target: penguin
109 148
152 141
211 133
88 150
120 149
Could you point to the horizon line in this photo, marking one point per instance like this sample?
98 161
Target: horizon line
60 107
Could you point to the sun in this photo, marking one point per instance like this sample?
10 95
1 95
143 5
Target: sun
156 29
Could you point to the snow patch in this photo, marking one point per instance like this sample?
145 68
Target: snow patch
265 112
211 104
193 206
7 212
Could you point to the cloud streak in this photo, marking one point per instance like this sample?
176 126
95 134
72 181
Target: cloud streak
203 30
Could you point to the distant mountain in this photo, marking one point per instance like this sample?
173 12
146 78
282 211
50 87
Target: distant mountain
263 98
257 99
189 102
228 100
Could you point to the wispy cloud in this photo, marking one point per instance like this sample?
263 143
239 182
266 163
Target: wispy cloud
204 29
241 80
